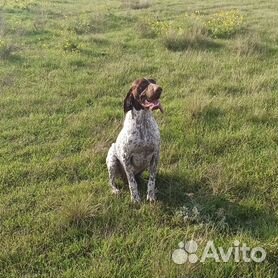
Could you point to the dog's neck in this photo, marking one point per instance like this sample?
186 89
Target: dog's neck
141 115
138 116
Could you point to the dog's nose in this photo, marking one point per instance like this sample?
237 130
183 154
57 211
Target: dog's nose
155 87
158 91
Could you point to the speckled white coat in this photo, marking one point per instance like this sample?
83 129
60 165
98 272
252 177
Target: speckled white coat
136 149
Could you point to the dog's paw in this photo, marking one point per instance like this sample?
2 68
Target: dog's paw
135 199
116 191
151 197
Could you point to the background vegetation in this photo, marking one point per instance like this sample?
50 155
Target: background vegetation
65 67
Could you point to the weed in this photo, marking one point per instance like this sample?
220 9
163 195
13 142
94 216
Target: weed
70 45
223 24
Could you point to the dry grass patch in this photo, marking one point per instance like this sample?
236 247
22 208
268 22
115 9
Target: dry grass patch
248 45
6 49
195 37
137 4
198 107
76 212
215 177
145 30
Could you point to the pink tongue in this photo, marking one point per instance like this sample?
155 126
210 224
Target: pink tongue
154 105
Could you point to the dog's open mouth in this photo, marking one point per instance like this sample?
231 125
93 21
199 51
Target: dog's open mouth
153 105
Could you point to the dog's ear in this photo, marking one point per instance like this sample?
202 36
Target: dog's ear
152 81
128 102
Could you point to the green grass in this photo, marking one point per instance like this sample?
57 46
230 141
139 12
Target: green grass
65 68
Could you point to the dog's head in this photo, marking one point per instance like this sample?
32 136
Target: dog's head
143 94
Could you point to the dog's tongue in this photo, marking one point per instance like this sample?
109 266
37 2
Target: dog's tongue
157 106
154 105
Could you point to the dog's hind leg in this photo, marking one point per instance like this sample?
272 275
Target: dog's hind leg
113 166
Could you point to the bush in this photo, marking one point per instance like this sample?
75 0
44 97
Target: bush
225 23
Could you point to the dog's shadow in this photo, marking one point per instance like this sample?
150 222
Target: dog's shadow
176 193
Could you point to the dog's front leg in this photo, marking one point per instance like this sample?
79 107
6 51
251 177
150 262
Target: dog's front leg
131 181
151 183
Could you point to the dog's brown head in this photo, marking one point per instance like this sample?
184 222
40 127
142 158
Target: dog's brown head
143 94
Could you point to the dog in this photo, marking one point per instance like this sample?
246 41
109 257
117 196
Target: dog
137 147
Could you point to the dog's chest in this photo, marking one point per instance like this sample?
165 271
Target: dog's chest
143 140
143 133
140 134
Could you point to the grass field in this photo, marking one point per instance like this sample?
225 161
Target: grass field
65 67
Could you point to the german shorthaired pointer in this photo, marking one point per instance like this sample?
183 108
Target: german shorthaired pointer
137 146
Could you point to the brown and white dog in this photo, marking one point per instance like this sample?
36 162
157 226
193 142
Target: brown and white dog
138 144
